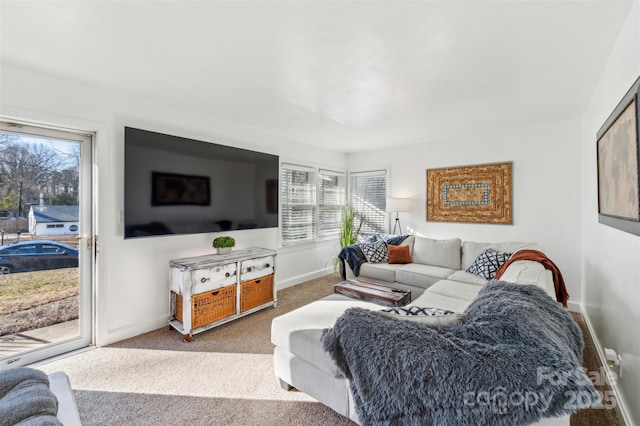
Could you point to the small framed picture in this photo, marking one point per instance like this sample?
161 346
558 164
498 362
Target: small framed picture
170 189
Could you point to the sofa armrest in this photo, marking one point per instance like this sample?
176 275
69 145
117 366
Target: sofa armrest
530 272
67 408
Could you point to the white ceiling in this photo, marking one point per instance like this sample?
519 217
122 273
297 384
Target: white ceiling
348 76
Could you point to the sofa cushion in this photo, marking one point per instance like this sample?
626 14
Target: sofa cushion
420 275
529 272
399 254
409 241
299 331
444 253
467 277
471 250
441 301
488 262
375 252
380 271
456 289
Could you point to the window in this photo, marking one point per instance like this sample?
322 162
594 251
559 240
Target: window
298 214
368 197
27 249
48 248
312 201
331 198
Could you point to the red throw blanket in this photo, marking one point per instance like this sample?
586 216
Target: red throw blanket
537 256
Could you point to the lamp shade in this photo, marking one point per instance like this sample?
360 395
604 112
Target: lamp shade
398 205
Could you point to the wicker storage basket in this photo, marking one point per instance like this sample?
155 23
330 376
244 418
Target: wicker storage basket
256 292
210 306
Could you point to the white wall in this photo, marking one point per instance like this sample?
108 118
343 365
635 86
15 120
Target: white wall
546 187
132 293
611 258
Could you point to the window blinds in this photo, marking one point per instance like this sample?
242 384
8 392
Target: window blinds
331 198
368 197
298 203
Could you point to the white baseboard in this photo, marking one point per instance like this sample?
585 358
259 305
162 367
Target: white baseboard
132 330
621 407
574 307
304 277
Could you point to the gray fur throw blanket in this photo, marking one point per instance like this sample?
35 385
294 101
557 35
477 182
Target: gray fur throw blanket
515 359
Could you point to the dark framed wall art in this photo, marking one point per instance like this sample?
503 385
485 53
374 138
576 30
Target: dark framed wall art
170 189
618 156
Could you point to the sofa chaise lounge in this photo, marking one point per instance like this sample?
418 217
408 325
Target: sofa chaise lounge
437 278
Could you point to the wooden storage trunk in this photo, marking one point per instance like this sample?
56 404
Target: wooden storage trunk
209 306
256 292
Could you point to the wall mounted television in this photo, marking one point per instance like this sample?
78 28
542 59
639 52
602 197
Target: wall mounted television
176 185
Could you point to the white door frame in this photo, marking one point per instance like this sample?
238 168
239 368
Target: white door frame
87 193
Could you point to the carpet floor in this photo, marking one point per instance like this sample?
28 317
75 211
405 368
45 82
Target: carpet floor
222 377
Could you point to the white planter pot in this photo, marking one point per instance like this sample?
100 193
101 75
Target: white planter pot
223 250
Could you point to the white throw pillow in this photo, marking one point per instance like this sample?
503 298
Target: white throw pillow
409 242
444 253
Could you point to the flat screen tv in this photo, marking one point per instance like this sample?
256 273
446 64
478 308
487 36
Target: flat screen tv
175 185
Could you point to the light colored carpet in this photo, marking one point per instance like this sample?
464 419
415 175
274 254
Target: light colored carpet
223 377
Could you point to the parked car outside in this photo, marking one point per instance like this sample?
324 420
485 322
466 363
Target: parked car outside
26 256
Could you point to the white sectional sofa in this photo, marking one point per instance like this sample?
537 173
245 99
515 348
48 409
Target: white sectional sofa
436 278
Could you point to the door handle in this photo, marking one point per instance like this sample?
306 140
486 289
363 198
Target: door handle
89 239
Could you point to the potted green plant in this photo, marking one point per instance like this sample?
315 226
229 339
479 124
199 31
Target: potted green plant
349 231
224 244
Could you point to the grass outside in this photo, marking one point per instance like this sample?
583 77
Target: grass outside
32 300
27 290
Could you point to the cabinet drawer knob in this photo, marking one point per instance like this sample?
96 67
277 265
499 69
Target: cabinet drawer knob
204 280
249 269
266 265
227 275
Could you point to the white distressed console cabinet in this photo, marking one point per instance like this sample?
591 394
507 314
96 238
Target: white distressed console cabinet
207 291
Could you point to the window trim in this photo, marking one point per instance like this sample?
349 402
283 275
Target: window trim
317 170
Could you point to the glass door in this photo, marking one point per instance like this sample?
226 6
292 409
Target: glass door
46 242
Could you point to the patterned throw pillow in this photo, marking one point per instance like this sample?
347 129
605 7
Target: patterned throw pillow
430 316
418 310
487 264
375 252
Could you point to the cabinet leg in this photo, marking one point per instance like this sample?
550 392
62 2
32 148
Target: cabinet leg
284 385
186 338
